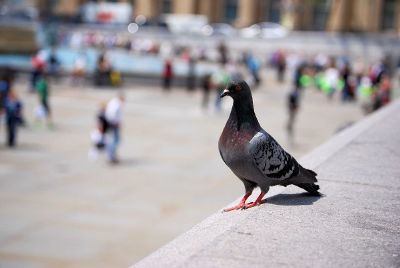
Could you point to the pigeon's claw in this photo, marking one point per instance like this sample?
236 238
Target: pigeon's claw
241 204
251 204
255 203
248 205
237 207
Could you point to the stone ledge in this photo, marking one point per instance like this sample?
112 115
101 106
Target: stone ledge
355 224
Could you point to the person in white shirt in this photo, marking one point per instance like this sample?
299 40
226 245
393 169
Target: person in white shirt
113 116
332 78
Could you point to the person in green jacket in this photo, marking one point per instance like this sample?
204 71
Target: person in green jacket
42 88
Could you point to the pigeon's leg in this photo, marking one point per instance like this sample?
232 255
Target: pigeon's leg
241 204
257 202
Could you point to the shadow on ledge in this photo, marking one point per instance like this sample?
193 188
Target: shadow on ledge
301 199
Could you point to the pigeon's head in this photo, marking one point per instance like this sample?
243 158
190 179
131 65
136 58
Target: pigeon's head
237 90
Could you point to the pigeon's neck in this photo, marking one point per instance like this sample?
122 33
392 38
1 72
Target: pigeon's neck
243 116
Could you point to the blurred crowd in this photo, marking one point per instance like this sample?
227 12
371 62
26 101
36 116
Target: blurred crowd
338 77
347 79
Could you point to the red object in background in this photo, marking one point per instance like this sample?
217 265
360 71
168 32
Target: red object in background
38 63
104 16
385 89
185 55
168 69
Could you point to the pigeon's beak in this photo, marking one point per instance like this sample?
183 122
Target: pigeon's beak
225 93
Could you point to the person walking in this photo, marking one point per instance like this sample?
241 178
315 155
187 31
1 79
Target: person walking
98 135
53 65
191 76
206 86
13 111
345 75
113 116
42 88
167 75
293 107
280 66
6 82
332 78
253 66
38 65
220 79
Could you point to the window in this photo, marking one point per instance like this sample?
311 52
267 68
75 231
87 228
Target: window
320 15
230 10
273 13
388 14
166 7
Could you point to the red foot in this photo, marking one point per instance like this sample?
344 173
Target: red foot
255 203
241 204
251 204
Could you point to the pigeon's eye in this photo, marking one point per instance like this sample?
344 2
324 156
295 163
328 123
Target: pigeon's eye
238 88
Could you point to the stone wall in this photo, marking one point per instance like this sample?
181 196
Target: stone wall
354 224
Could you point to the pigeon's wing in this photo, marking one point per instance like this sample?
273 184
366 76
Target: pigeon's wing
271 159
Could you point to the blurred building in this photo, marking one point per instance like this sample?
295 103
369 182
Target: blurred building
331 15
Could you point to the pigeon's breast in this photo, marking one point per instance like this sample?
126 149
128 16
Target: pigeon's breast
233 146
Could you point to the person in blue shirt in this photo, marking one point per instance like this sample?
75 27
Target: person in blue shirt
5 85
13 111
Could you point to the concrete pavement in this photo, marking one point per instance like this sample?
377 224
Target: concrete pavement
354 224
58 209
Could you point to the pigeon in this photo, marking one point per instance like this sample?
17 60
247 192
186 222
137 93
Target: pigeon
253 155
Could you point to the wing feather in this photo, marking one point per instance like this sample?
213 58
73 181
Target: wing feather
271 159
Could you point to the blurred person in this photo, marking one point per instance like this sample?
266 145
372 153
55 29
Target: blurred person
331 77
42 88
347 91
98 135
185 54
365 92
191 77
113 116
38 66
6 82
53 65
167 75
220 79
382 95
358 71
203 53
299 72
103 72
293 106
320 62
223 53
234 71
377 70
243 57
79 70
206 87
385 89
279 61
13 111
253 66
102 123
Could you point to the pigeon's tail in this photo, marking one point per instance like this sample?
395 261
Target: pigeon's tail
311 172
307 175
308 180
312 188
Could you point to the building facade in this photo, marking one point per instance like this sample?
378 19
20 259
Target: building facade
313 15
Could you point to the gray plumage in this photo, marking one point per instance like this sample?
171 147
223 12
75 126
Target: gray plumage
255 156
